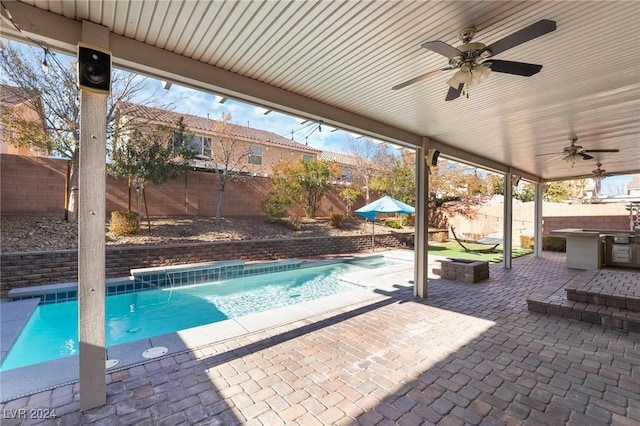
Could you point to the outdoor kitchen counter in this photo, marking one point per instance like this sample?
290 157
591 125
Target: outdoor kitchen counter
586 247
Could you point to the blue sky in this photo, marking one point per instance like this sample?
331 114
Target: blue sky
615 185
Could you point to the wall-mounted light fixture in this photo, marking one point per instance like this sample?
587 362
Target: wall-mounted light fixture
431 158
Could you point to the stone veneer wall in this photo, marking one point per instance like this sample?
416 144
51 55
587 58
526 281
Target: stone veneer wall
19 270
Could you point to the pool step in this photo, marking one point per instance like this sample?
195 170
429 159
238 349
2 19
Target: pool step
598 297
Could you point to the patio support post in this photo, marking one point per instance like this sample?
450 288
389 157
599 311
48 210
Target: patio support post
91 237
421 237
537 231
508 219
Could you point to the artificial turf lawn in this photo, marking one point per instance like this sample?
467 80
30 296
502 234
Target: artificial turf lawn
453 249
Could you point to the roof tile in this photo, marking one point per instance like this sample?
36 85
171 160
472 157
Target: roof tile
11 96
337 157
195 123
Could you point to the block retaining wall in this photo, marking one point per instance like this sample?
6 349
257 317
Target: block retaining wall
18 270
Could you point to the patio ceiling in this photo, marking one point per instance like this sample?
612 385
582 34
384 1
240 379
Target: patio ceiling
337 61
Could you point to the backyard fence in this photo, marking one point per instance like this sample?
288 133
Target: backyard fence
35 186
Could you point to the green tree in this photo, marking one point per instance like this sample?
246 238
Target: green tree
526 192
398 182
151 155
57 105
302 184
556 192
350 194
284 191
313 177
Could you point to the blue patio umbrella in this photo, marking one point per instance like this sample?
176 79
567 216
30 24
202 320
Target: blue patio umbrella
384 205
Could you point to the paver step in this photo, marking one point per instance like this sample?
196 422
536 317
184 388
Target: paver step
604 298
609 298
607 316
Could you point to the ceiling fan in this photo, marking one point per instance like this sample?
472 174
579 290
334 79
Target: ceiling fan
573 153
599 173
473 60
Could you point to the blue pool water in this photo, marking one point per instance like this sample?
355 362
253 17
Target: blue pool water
52 331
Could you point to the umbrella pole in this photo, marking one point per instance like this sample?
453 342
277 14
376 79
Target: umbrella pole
373 234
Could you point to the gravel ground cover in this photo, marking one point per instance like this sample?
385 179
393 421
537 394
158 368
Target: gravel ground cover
26 233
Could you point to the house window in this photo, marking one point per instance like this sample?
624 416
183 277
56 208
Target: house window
255 155
346 175
200 144
307 157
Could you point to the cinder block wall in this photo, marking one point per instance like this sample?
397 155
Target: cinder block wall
620 223
32 185
37 268
489 219
35 186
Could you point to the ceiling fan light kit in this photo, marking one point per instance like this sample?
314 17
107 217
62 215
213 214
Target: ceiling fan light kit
469 75
573 158
473 60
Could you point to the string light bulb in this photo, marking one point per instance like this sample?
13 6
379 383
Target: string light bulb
45 64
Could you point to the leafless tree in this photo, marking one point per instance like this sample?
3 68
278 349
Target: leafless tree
229 156
367 153
57 104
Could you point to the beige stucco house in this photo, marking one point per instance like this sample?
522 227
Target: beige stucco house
18 104
262 149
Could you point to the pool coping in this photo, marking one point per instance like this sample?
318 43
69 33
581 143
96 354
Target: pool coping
16 315
372 284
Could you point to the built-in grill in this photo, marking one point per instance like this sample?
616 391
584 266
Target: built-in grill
620 249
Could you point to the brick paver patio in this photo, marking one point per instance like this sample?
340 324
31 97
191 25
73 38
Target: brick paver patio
470 354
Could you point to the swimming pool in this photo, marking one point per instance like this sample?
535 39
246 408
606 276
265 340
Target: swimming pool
52 331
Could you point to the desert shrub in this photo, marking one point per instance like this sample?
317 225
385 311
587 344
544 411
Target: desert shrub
554 244
295 222
408 220
439 236
393 223
336 220
275 205
526 242
124 223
